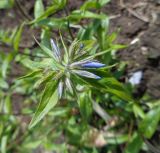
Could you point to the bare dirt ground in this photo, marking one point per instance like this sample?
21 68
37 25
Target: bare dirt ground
139 23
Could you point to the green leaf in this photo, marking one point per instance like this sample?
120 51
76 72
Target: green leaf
60 111
3 145
17 37
66 55
114 87
90 4
109 84
85 105
5 65
149 124
1 129
101 28
138 111
46 35
44 79
117 139
78 15
31 75
7 105
46 62
33 144
3 84
48 101
84 34
38 8
135 144
6 4
53 23
57 5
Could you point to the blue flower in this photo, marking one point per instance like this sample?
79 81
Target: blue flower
92 64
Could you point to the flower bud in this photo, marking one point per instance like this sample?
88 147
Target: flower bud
93 64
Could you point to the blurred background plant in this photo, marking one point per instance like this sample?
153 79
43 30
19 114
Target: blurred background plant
99 114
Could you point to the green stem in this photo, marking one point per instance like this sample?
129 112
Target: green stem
68 23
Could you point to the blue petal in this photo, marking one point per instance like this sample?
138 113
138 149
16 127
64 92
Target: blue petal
93 65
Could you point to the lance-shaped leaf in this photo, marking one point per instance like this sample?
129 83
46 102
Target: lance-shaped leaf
45 49
46 62
149 124
135 144
32 74
85 106
50 10
44 79
48 101
38 8
17 37
66 55
86 74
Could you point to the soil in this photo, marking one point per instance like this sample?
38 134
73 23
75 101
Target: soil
138 22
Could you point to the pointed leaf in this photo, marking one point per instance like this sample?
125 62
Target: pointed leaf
48 101
32 74
50 10
44 79
135 144
38 8
85 106
17 37
149 125
6 64
86 74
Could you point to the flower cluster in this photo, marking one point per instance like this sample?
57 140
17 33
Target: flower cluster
70 63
